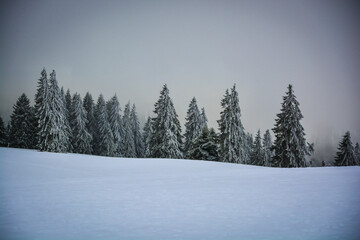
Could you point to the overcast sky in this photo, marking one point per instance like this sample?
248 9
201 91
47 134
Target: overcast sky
199 48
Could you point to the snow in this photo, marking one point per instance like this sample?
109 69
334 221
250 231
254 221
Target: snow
73 196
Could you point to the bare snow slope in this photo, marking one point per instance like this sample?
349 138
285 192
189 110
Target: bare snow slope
70 196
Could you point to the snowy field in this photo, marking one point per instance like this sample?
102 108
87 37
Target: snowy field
70 196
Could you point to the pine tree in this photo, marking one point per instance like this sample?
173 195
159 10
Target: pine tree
58 131
113 107
104 137
193 125
128 139
22 128
166 138
203 119
138 140
232 136
2 133
345 155
91 121
290 145
68 104
147 132
357 154
267 144
257 157
205 146
81 138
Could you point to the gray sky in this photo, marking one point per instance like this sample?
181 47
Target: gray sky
199 48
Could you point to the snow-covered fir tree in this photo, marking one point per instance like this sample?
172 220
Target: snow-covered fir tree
166 139
81 138
203 119
357 154
89 106
58 130
290 146
104 142
232 136
138 140
257 157
205 147
147 132
193 125
22 129
3 137
345 155
128 143
68 103
267 144
42 112
113 108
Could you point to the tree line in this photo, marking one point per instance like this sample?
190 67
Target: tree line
61 122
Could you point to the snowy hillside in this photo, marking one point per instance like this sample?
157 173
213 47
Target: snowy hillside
70 196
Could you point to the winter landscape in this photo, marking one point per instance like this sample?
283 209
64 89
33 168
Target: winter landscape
179 120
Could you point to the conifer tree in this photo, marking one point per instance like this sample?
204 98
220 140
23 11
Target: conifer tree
128 139
267 144
357 154
345 155
104 137
81 138
2 133
22 128
138 140
58 131
203 119
147 132
68 104
205 146
232 136
113 107
290 145
257 157
166 138
193 125
90 116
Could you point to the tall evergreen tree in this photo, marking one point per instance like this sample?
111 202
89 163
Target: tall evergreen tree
104 137
166 139
205 146
257 157
357 154
345 155
81 138
2 133
267 144
203 119
193 125
129 149
89 106
113 107
59 130
232 136
68 104
138 140
22 128
290 145
147 132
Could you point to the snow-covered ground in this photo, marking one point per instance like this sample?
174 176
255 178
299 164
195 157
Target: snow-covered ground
70 196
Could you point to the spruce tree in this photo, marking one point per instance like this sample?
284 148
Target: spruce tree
68 104
267 144
166 138
357 154
22 129
89 106
193 125
257 157
58 131
205 146
290 145
129 150
203 119
232 136
104 137
113 108
138 140
81 138
2 133
147 132
345 155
